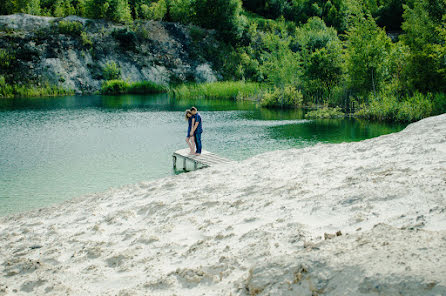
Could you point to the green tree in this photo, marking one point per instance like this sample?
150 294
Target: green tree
153 11
6 7
424 26
64 8
222 15
181 11
322 61
114 10
390 14
367 55
280 66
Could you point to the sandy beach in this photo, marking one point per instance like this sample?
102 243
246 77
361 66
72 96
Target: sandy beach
263 226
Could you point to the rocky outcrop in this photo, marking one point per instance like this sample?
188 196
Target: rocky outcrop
73 52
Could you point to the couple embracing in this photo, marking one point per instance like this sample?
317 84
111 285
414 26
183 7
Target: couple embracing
194 131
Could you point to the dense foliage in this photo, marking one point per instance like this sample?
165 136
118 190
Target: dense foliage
384 59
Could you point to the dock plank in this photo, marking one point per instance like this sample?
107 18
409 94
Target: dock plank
206 159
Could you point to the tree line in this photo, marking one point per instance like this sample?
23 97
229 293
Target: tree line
390 54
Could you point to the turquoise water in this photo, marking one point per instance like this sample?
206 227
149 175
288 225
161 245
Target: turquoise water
54 149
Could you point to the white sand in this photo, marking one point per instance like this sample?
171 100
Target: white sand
253 228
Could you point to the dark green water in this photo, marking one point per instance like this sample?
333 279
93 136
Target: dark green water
53 149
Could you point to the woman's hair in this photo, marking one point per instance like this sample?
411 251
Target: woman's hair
187 112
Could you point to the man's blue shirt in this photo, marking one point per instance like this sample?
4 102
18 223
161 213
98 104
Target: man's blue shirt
199 129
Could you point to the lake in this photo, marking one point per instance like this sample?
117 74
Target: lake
54 149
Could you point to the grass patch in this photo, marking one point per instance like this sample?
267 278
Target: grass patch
119 87
217 90
47 90
409 109
325 113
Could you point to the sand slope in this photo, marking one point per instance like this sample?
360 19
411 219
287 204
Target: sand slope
254 228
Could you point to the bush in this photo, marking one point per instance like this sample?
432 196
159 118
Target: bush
382 108
114 87
86 41
439 102
197 33
388 107
289 97
415 108
111 71
118 87
6 90
70 28
6 58
325 112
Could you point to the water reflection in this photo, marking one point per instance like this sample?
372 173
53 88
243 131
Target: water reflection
332 130
53 149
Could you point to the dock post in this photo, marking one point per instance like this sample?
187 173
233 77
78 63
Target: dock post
206 159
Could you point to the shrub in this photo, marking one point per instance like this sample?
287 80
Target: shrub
197 33
70 28
6 58
325 112
439 102
382 108
6 90
289 97
409 109
111 71
86 41
142 32
114 87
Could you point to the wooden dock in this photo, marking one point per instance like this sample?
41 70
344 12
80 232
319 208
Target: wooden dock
206 159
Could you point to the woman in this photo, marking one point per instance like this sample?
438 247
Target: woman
190 139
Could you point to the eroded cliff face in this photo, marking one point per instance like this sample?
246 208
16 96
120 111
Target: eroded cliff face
73 52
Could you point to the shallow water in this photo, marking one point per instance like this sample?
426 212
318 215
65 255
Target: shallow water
53 149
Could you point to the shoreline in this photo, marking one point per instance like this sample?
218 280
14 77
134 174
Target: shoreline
253 228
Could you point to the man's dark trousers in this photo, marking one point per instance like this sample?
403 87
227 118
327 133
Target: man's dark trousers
197 137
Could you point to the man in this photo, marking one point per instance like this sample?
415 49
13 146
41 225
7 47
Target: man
197 129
